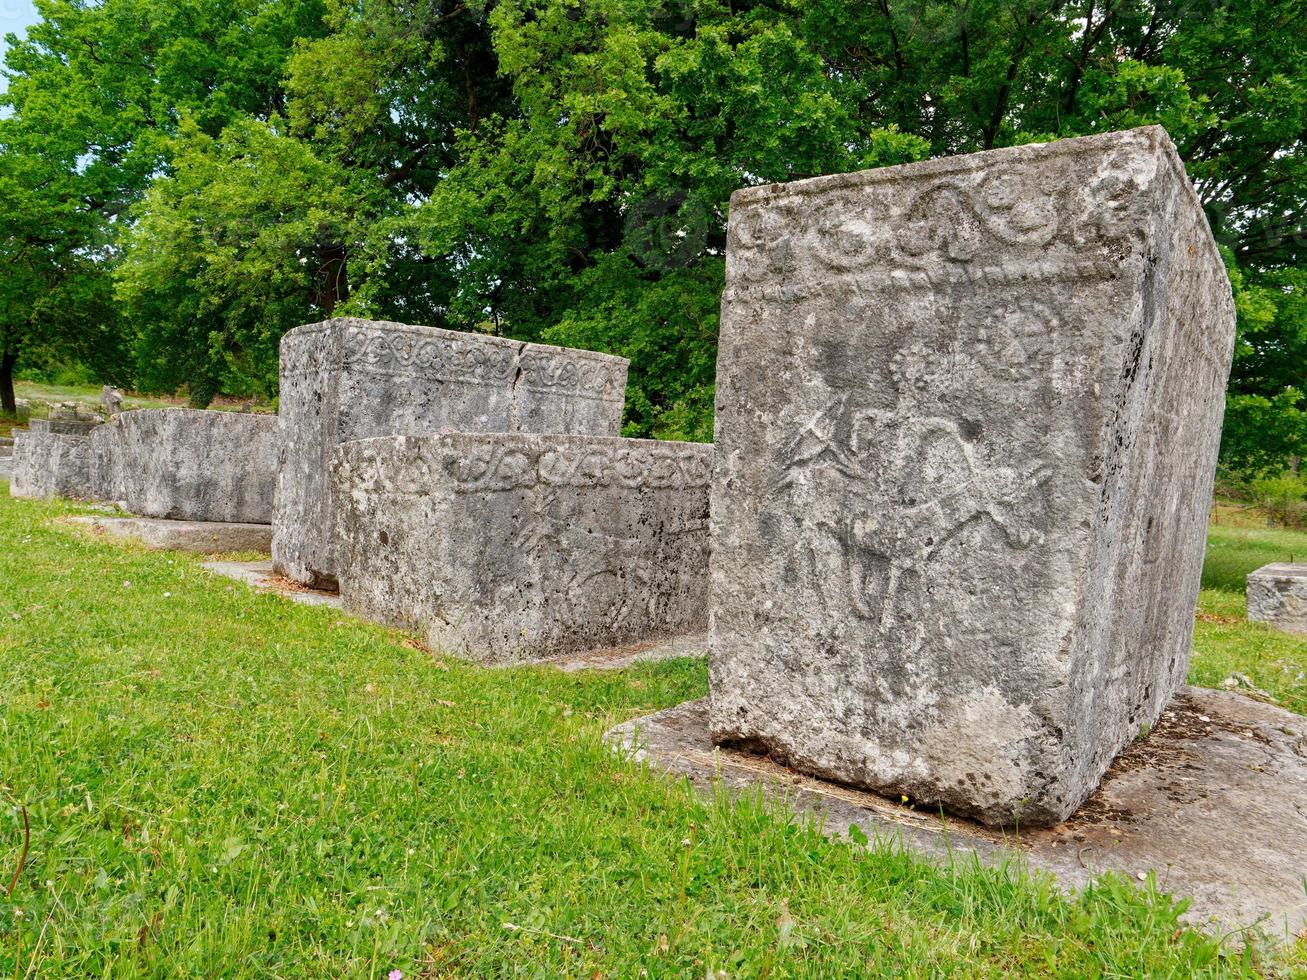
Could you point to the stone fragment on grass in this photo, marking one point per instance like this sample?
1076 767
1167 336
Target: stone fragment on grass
967 420
512 547
1277 595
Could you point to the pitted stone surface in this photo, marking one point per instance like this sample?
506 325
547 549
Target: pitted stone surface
50 464
967 420
1277 594
512 547
108 451
18 465
348 379
189 465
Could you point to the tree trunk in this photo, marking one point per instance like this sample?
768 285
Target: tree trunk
8 403
334 286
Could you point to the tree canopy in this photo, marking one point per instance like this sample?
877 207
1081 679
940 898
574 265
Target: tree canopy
559 170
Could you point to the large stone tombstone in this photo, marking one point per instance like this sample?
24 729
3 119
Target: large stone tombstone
348 379
967 420
188 465
505 547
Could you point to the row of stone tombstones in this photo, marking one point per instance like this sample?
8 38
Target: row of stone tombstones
967 419
468 485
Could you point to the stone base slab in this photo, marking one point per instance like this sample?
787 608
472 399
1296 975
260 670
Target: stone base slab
202 537
260 575
1213 802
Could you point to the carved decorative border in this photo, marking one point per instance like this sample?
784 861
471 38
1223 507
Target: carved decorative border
475 360
491 467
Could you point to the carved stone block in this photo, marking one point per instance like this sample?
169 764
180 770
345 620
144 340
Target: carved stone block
50 464
510 547
1277 595
189 465
967 420
354 379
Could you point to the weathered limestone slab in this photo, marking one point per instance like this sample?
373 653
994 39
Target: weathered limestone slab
967 420
19 470
1277 594
71 410
512 547
200 537
1211 803
190 465
51 459
347 379
50 464
63 426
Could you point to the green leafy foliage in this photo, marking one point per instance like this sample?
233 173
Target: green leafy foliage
561 169
54 303
594 214
96 92
1266 411
228 253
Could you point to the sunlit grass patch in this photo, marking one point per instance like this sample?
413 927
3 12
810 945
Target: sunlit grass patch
223 783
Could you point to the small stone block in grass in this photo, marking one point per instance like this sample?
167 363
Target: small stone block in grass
1277 596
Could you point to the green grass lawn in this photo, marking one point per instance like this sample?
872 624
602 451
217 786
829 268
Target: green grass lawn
1225 643
221 783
